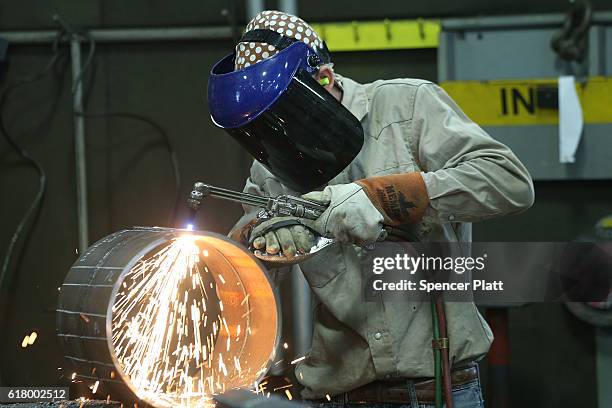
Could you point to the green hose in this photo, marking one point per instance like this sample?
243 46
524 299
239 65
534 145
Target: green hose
437 355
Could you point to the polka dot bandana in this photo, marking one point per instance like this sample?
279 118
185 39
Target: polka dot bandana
249 53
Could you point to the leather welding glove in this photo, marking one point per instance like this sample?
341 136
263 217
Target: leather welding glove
350 215
401 198
285 234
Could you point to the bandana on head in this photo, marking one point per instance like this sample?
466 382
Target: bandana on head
249 53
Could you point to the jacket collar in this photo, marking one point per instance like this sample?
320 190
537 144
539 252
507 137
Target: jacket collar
354 96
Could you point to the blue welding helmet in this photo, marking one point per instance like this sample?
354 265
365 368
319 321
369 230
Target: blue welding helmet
285 119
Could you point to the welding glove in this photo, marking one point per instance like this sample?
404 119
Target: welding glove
357 210
286 234
350 215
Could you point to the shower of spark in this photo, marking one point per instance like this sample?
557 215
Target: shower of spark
170 334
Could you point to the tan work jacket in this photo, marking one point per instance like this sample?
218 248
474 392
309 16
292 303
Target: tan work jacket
410 125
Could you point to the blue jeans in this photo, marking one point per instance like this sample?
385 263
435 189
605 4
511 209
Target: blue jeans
467 395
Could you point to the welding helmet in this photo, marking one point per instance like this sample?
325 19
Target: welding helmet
283 117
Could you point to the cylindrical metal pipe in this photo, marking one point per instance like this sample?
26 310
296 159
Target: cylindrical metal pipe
603 364
79 146
288 6
254 7
302 312
499 358
95 328
112 35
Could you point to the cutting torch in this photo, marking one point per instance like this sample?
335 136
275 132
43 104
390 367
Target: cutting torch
282 205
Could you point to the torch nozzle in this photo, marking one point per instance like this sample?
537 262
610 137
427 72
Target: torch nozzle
199 191
197 194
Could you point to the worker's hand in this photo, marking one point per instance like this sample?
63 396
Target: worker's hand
350 216
282 234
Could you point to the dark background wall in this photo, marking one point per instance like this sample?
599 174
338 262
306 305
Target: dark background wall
131 183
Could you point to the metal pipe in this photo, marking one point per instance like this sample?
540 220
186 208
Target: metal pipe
516 21
603 362
241 297
300 290
254 7
301 294
302 312
499 358
124 35
288 6
79 145
113 35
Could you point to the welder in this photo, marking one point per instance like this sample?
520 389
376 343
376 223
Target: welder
393 152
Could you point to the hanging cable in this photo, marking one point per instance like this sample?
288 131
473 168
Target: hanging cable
173 156
35 205
126 115
33 210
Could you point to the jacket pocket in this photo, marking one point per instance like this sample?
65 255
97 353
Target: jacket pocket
391 153
325 266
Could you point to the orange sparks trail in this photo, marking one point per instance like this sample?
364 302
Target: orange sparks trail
170 333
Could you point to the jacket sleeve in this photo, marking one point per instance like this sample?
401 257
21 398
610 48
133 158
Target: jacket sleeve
469 176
